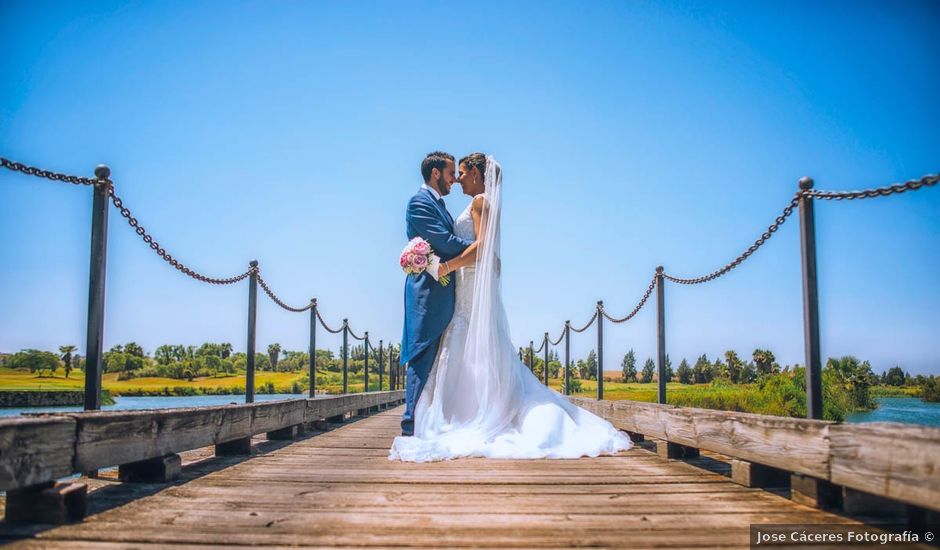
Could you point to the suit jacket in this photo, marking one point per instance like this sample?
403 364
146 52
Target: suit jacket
429 306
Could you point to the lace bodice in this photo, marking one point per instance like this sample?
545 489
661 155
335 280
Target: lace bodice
463 228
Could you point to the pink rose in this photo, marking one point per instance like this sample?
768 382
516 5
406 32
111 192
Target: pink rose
403 261
422 247
420 262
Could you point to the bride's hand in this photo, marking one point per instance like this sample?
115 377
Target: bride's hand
442 269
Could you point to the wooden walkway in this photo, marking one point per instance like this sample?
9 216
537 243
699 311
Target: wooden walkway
338 488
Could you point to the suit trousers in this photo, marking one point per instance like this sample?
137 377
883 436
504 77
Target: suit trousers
416 376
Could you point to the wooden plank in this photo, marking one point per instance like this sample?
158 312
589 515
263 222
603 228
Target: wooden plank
889 459
35 450
796 444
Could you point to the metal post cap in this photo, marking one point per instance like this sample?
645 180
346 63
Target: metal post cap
253 263
659 269
806 182
102 172
313 301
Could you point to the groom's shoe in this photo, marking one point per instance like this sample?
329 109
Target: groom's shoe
407 429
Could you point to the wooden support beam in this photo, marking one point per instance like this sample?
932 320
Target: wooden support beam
667 449
235 447
287 433
860 503
750 474
50 502
155 470
818 493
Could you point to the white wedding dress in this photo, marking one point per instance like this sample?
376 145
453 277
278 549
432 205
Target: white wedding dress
480 399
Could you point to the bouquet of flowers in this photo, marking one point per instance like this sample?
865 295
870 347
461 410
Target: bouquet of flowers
418 257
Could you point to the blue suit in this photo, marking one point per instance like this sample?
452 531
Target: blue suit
429 306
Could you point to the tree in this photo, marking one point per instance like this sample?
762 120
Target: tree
36 361
274 351
856 377
667 370
226 349
649 368
702 371
684 372
629 366
132 348
591 365
765 361
66 352
895 376
164 354
735 365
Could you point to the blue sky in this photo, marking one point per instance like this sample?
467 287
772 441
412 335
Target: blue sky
631 133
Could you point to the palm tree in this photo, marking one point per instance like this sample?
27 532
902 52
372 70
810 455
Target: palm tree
226 350
66 352
273 351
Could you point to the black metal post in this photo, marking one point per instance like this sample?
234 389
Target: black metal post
545 359
814 404
365 367
313 347
381 364
252 318
661 334
94 344
567 357
345 356
531 356
600 350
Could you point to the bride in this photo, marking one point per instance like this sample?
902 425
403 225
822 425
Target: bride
480 399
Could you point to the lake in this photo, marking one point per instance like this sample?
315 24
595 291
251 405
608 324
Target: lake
137 403
909 410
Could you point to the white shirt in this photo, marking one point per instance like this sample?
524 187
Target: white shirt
437 196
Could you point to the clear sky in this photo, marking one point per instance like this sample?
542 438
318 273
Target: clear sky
631 134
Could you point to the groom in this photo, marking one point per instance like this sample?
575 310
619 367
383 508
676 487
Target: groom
429 306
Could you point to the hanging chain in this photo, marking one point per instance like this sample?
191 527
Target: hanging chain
737 261
353 334
909 185
588 325
639 306
327 327
277 300
40 173
560 336
155 246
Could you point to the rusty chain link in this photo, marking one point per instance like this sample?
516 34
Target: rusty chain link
39 172
327 327
276 300
909 185
737 261
560 336
639 306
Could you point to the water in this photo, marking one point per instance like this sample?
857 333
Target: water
137 403
909 410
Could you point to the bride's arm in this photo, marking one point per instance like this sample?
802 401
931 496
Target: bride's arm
469 256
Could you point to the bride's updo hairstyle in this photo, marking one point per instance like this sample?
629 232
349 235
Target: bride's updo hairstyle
475 160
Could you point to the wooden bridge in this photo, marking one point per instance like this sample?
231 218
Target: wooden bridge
321 477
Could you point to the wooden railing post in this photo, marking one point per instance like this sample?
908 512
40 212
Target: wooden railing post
365 367
545 359
252 317
381 364
96 289
567 358
600 350
661 334
313 347
345 356
814 405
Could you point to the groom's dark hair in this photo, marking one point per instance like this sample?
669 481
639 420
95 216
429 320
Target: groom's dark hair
436 159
